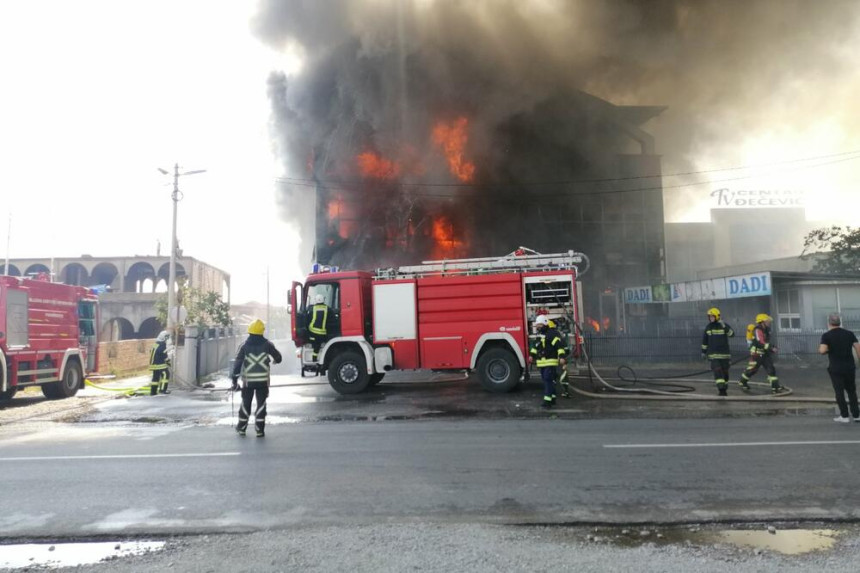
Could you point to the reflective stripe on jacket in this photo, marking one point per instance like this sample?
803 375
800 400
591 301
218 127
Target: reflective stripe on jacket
254 359
715 340
548 348
319 319
158 356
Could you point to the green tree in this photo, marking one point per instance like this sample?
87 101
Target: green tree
205 308
838 247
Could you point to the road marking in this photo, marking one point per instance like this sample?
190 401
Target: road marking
732 445
119 457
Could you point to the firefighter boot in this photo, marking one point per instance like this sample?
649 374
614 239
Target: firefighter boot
547 402
722 389
240 431
775 388
744 383
164 389
261 429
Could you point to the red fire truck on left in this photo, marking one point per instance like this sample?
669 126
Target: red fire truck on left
48 336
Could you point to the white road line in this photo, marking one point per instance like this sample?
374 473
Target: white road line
119 457
731 445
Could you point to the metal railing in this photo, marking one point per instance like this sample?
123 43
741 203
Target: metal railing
604 349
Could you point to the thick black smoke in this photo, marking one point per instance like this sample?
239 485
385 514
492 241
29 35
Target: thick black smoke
378 74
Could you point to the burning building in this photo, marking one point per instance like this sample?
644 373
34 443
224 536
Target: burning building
401 149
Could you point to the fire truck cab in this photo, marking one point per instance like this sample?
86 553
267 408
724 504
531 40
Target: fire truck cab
48 336
471 315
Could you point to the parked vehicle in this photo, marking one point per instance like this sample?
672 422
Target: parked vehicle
464 314
48 336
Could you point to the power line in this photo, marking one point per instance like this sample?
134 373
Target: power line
416 188
334 183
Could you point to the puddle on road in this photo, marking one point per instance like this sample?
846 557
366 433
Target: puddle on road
785 541
55 555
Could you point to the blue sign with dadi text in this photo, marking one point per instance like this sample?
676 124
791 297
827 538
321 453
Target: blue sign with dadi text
756 284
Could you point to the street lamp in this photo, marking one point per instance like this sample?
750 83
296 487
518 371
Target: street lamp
172 312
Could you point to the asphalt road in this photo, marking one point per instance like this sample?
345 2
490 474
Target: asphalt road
85 479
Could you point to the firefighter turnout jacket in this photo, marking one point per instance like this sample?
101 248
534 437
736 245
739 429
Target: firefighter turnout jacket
715 340
253 361
548 349
158 356
760 343
319 320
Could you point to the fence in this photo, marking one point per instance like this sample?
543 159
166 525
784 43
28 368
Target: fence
206 351
794 347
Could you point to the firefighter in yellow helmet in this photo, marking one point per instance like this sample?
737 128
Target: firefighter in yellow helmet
715 347
253 362
761 354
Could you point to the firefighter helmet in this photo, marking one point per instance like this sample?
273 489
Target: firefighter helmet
762 317
256 327
750 330
715 312
162 336
319 298
541 320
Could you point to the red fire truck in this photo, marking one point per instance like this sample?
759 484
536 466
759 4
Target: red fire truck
466 314
47 336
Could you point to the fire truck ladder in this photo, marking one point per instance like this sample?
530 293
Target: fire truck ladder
519 260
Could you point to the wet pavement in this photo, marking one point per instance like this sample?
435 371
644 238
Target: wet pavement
428 395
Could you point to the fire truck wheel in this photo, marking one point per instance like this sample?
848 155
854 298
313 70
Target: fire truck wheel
8 394
347 373
498 370
376 378
73 376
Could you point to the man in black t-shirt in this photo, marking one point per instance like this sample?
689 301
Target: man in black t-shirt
837 343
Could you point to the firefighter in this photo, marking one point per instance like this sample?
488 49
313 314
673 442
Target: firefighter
318 323
159 363
253 362
761 354
715 347
548 353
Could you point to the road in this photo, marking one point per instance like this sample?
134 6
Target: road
86 479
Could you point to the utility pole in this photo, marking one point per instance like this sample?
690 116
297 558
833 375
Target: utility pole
176 196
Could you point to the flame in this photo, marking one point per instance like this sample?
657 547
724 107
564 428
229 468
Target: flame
593 324
374 165
606 323
447 244
452 139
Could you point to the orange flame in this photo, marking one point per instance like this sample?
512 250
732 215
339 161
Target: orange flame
606 323
593 324
373 165
447 244
452 139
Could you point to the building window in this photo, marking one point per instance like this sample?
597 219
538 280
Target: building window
788 309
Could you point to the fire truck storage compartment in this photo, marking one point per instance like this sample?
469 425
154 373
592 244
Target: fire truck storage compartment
17 331
454 311
549 291
394 322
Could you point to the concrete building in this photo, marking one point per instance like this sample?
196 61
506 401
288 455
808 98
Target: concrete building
127 308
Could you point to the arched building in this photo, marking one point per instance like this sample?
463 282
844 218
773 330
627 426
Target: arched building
133 284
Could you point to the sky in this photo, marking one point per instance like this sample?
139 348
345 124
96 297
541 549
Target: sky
98 94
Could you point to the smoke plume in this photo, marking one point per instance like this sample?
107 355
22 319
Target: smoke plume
527 83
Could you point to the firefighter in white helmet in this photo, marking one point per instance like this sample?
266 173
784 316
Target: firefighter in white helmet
715 347
318 322
159 363
253 362
548 354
